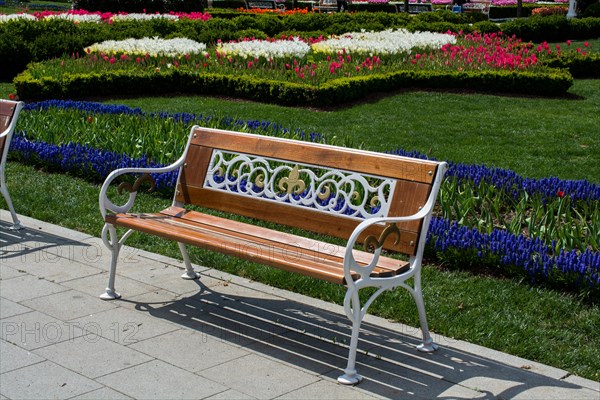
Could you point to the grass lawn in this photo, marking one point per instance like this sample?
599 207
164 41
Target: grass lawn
536 137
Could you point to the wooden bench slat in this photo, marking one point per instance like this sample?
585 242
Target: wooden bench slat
309 219
286 251
7 111
322 250
379 164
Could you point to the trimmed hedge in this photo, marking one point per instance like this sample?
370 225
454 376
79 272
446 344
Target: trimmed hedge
334 92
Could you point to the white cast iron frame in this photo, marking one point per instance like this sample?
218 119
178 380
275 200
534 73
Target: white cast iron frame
114 244
7 134
352 305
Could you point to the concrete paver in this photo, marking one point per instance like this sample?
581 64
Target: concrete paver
102 394
223 337
14 357
9 308
45 380
140 382
259 377
68 304
92 356
174 347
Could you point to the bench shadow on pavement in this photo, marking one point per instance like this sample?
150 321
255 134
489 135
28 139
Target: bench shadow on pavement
315 340
27 242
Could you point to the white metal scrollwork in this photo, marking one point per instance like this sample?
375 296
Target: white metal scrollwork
325 189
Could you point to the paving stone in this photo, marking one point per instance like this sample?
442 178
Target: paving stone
124 326
586 383
313 355
396 380
192 351
164 276
148 301
13 357
159 380
259 377
102 356
102 394
34 329
325 389
95 285
230 394
7 272
95 254
58 270
9 308
28 287
44 380
221 337
69 305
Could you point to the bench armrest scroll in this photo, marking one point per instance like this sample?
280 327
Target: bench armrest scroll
106 204
351 266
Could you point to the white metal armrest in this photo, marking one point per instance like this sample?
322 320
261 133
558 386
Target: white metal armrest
104 201
350 264
424 213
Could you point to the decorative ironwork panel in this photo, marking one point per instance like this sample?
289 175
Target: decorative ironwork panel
324 189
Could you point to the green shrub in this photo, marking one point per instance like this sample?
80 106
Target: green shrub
593 10
15 53
333 92
511 11
250 33
538 29
580 67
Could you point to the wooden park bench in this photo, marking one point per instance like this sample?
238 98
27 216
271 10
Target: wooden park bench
264 4
325 5
482 6
414 8
381 201
9 113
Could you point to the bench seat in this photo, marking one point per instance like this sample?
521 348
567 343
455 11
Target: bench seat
290 252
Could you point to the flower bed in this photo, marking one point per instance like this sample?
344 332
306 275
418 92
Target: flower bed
79 16
565 254
334 65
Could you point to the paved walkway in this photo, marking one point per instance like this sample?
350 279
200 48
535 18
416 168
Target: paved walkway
222 337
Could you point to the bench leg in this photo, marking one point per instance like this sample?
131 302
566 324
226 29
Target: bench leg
114 247
16 223
428 346
189 270
351 377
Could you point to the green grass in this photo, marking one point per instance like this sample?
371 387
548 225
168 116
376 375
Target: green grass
536 137
506 315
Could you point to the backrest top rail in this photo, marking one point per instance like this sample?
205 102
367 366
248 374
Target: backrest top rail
308 153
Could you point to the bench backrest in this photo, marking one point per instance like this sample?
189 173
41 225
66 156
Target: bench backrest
315 187
9 111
